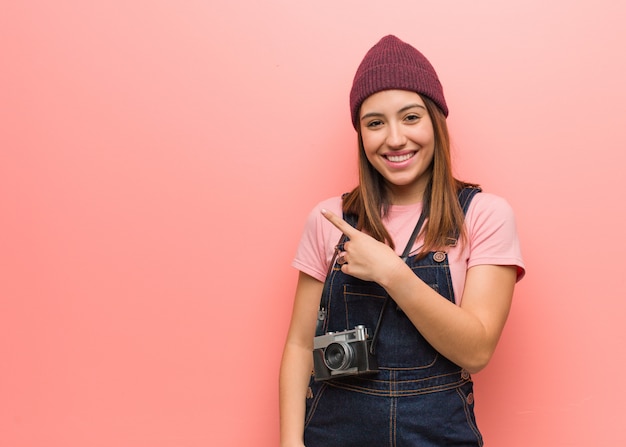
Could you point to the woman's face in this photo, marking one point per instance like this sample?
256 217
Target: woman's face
399 141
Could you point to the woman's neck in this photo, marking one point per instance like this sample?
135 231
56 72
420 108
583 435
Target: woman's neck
407 194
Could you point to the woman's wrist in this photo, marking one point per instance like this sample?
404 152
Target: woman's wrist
393 273
298 443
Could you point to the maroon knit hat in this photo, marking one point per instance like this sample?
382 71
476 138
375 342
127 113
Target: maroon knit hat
393 64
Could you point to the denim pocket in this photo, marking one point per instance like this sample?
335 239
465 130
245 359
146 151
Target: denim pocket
399 343
363 304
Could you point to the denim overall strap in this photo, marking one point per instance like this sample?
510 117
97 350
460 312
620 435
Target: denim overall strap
325 297
466 195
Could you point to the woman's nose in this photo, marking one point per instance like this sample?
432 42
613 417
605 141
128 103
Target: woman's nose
395 137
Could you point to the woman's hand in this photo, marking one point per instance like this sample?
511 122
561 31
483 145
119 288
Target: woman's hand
364 257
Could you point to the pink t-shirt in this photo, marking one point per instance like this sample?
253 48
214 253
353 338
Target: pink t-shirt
490 226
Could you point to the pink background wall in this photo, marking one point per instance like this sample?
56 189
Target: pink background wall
157 162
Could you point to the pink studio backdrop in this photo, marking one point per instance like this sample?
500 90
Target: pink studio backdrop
157 162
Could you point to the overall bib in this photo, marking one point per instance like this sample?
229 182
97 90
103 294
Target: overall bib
418 397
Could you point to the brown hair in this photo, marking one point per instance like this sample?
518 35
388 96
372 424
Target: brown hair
369 201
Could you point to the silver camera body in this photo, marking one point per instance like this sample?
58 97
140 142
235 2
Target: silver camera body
339 354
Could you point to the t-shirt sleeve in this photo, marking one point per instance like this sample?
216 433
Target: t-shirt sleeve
318 240
493 233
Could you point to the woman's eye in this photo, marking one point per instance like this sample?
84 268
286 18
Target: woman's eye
374 123
412 118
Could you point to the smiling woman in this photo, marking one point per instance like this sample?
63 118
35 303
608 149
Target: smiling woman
403 376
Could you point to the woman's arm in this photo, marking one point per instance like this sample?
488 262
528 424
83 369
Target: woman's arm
297 361
465 334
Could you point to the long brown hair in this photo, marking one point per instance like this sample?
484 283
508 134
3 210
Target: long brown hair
369 201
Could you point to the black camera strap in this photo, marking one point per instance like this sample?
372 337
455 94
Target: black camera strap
405 256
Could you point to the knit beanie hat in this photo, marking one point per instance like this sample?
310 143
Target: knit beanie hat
392 64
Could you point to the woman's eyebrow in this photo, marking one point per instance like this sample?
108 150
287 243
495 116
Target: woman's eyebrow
371 115
411 106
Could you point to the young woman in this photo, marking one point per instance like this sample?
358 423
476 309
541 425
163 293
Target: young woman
405 282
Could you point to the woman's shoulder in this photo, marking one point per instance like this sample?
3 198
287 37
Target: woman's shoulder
488 204
332 204
490 215
316 223
318 239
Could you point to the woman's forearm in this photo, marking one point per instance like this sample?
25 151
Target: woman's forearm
295 373
466 334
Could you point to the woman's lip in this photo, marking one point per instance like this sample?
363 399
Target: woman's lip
399 157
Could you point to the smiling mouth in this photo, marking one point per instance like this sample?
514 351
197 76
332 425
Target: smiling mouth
399 158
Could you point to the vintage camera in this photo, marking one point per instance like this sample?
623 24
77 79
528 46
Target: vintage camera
346 353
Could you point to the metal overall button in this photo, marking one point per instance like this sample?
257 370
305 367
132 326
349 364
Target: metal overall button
439 256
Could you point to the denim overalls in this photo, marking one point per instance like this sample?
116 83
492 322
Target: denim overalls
418 397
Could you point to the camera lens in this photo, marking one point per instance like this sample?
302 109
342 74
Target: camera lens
338 356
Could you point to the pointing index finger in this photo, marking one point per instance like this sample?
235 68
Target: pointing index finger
338 222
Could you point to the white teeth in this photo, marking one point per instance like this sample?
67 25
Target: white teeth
399 158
